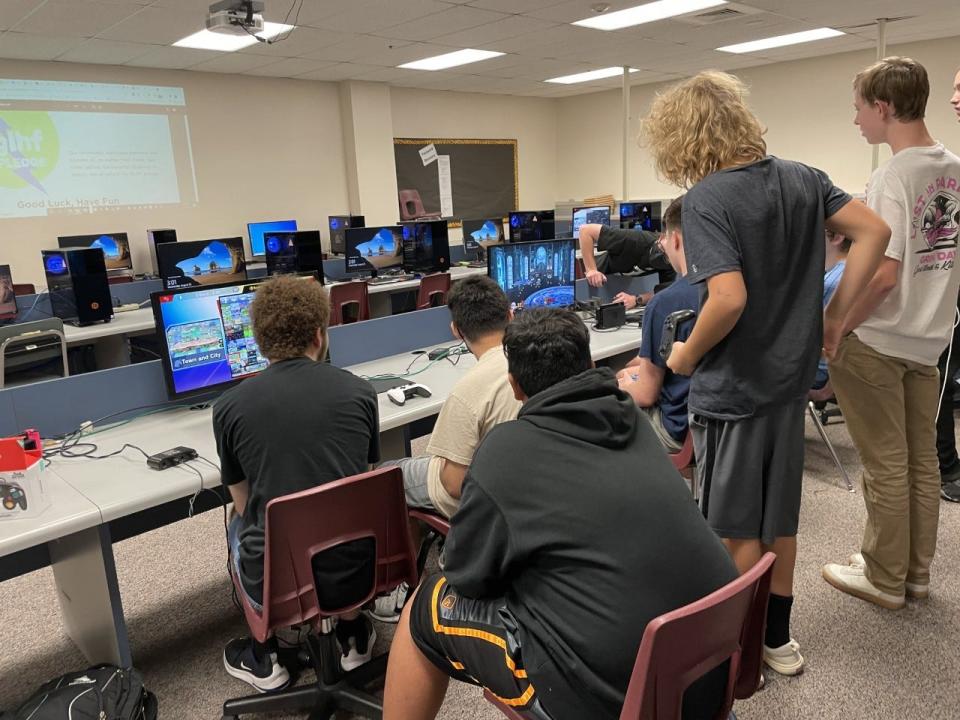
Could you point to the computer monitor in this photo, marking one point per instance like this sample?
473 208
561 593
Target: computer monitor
590 215
640 215
373 249
535 274
294 253
206 336
528 225
158 237
115 246
426 246
201 262
481 234
8 298
256 231
338 225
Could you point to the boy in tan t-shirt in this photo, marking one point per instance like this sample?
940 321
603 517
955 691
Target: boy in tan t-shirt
480 312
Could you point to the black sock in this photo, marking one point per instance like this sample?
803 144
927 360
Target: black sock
778 620
356 629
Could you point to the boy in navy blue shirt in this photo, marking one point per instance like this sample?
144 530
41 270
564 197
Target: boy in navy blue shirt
657 390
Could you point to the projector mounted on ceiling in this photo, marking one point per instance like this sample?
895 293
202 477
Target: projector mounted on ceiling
236 17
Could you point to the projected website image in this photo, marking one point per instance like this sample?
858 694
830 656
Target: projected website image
590 216
384 249
538 274
76 147
243 355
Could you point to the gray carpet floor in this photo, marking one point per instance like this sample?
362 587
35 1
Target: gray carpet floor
863 662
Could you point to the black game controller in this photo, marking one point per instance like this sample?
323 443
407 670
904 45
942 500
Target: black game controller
12 495
670 326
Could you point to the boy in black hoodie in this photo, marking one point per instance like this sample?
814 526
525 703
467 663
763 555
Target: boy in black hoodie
574 531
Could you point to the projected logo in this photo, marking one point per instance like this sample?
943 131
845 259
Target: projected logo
29 149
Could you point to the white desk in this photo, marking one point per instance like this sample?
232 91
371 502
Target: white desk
379 293
111 340
90 494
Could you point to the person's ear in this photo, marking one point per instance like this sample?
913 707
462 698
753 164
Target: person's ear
510 315
453 330
517 391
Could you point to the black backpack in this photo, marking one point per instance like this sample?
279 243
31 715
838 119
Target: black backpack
102 692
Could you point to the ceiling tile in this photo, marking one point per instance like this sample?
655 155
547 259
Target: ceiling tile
509 27
76 19
156 26
233 63
454 20
289 67
375 15
340 71
173 58
407 53
355 47
549 41
513 6
106 52
25 46
301 41
13 11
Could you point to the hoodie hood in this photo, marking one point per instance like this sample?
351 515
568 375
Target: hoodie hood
590 407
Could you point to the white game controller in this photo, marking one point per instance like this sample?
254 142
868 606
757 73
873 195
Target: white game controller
400 395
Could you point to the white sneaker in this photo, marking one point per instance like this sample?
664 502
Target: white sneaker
785 659
917 591
354 654
851 580
388 607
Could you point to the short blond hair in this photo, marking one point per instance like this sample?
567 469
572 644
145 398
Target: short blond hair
700 126
899 81
286 313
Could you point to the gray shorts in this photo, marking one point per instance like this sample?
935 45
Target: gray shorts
752 472
415 472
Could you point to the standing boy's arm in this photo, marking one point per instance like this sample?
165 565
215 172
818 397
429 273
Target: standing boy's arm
726 299
589 237
868 276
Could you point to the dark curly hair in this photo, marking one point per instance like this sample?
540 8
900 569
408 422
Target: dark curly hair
286 313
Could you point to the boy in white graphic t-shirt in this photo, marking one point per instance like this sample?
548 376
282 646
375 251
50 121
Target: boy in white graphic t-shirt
885 372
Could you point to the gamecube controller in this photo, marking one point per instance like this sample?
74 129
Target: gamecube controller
400 395
13 495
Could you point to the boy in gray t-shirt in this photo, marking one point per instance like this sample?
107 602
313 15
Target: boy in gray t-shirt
753 233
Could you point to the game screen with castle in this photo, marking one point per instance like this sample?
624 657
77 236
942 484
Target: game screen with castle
535 274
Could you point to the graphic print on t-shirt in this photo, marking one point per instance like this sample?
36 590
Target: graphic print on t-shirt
936 219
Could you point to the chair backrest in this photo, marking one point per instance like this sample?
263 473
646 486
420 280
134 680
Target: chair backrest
432 286
347 293
681 646
369 505
31 343
411 206
119 279
684 457
24 289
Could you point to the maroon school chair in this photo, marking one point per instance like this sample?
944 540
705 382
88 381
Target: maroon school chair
433 290
349 293
683 645
119 279
24 289
438 528
299 526
685 464
411 206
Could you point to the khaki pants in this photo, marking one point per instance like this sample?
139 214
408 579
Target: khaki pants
890 407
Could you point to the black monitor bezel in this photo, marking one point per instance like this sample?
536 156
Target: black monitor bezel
70 241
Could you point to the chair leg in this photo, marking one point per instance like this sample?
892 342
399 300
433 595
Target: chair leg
826 441
297 699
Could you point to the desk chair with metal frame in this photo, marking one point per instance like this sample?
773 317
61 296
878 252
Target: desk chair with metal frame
299 527
818 402
32 344
433 290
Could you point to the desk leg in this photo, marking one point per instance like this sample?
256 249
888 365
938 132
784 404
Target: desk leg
380 305
112 351
90 595
394 444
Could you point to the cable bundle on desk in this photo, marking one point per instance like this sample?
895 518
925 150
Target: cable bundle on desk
451 354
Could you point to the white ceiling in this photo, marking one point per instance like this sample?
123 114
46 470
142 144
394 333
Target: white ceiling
366 39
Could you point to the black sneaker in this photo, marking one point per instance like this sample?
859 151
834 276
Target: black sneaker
265 674
950 491
356 638
951 474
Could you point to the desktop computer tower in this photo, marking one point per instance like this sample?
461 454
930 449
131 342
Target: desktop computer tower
294 253
530 229
338 225
426 246
156 237
77 283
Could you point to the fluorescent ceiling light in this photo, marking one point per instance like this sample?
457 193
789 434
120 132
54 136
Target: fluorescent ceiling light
651 12
781 40
206 40
449 60
588 76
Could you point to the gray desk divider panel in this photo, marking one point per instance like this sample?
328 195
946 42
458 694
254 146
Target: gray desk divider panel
457 253
335 268
39 311
59 406
616 284
135 292
372 339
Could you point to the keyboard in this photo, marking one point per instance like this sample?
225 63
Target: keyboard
385 279
477 264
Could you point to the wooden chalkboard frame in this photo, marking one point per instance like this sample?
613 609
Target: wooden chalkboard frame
439 142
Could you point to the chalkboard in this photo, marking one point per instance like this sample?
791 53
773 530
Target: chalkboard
483 175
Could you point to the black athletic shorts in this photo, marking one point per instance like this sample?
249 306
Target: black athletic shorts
473 641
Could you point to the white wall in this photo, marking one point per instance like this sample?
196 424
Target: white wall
264 149
807 106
